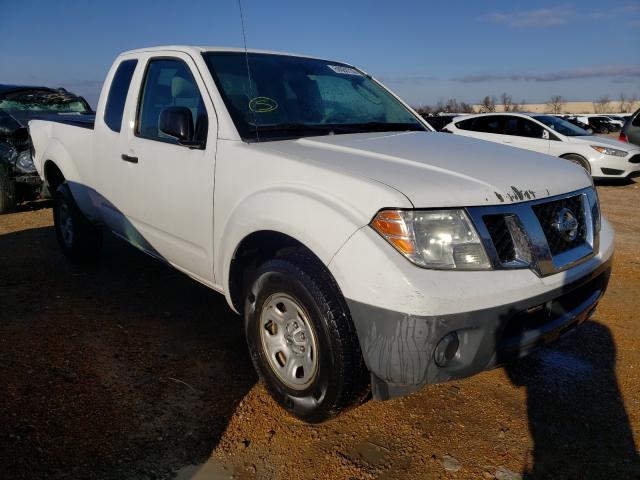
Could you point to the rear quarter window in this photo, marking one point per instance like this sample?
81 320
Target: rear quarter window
465 124
484 124
118 94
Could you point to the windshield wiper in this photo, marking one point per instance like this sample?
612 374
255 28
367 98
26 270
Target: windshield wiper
286 127
303 129
292 130
388 127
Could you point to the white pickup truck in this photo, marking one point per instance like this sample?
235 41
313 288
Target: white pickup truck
363 249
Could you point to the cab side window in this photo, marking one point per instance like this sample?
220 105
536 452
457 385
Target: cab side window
118 94
169 83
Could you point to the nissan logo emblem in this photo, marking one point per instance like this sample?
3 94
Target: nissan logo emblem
566 224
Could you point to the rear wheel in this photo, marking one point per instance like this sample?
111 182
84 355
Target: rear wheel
578 160
302 340
7 191
79 239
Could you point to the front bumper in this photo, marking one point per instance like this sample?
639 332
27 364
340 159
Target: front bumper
400 349
402 312
608 166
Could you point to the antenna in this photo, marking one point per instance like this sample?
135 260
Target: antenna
246 56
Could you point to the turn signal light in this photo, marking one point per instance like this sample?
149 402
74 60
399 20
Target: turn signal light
392 227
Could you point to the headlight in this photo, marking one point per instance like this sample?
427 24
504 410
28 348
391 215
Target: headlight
25 162
609 151
443 239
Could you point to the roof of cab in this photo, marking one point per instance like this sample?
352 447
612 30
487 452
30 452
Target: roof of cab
196 50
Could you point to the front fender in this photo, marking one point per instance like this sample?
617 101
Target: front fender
314 218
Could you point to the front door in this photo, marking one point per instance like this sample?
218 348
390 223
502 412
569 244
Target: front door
523 133
170 182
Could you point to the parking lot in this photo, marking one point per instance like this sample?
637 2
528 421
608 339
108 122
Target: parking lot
128 369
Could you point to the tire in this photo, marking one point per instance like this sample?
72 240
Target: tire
8 199
578 160
300 294
79 239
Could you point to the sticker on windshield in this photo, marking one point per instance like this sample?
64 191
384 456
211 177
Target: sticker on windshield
262 105
344 70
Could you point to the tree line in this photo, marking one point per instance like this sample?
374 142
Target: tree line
555 104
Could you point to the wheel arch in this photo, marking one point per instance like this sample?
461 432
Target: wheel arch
292 214
53 176
253 250
585 161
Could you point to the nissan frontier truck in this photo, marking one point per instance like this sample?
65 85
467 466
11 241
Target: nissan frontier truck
365 252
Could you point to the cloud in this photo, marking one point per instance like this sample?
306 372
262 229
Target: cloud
407 80
542 17
555 16
625 10
618 71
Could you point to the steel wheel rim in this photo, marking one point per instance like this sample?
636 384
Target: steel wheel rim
289 341
65 223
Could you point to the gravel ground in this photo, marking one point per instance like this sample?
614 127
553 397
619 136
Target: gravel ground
127 369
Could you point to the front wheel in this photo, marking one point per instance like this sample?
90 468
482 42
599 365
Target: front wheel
79 240
302 340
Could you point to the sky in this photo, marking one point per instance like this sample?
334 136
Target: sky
424 51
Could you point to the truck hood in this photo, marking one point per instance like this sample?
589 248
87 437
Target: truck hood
441 169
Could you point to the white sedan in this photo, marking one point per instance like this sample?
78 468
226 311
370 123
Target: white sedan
602 157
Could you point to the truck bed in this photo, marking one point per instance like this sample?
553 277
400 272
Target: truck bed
83 120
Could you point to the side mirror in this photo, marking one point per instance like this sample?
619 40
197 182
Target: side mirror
545 134
177 122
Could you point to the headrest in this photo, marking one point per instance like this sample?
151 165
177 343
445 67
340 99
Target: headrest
181 87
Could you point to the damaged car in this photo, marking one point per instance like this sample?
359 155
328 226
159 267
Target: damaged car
19 180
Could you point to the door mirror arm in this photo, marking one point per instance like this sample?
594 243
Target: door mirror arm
193 145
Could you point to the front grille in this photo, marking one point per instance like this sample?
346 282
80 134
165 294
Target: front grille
635 159
501 237
546 235
549 213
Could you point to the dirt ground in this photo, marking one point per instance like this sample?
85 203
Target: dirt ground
127 369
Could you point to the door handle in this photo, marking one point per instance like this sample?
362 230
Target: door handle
128 158
507 141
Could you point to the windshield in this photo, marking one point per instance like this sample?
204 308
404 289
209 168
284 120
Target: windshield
289 97
561 126
45 101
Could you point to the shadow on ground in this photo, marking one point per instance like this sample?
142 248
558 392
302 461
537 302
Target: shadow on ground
32 206
120 369
576 413
614 182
